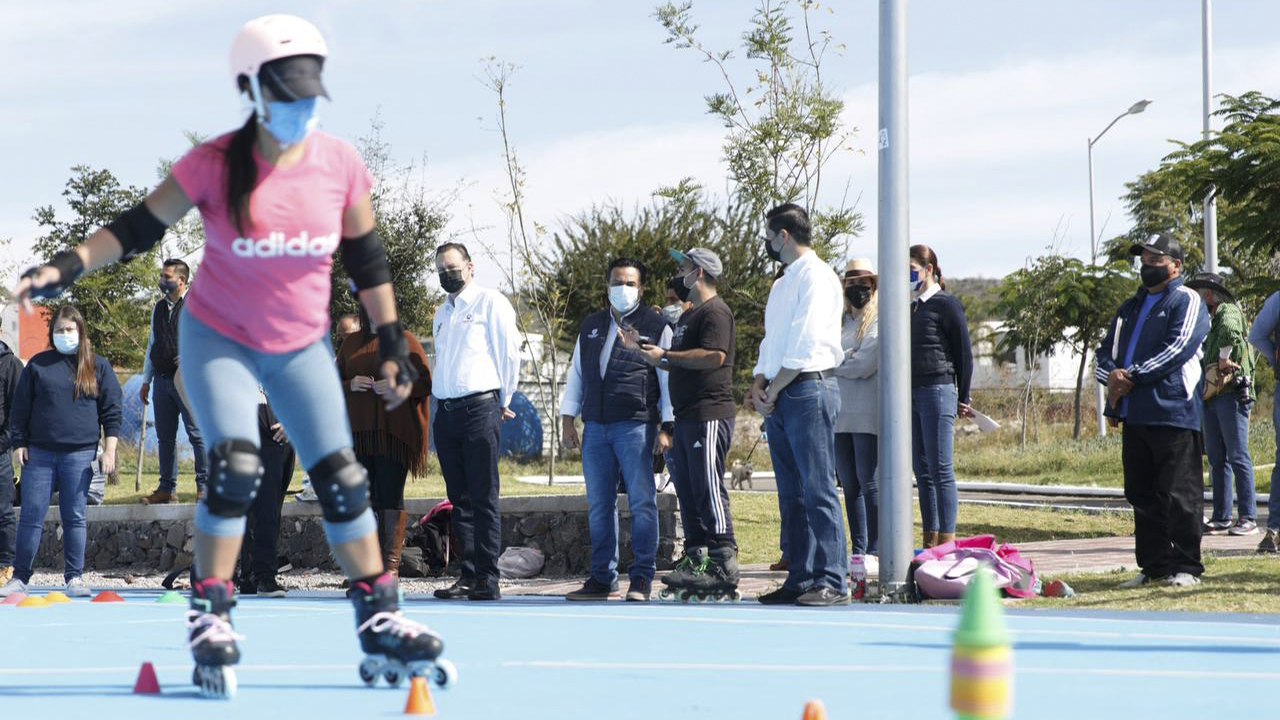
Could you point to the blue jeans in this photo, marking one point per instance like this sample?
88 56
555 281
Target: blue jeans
1273 504
222 378
69 472
933 419
802 445
856 459
608 449
168 407
1226 442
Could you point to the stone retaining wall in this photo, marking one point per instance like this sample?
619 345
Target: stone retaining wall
159 537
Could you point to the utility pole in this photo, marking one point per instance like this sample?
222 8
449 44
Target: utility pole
1210 204
896 536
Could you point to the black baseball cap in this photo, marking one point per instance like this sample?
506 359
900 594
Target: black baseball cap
1160 244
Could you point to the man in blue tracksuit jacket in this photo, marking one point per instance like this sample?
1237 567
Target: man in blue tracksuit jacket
1150 363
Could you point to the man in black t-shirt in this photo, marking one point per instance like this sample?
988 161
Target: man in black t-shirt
700 367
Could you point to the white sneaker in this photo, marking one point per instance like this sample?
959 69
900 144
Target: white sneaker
12 587
1183 580
77 588
1136 581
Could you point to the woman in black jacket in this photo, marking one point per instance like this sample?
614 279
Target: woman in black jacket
65 397
941 368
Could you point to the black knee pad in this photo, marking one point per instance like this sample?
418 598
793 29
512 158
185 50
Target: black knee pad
342 485
235 473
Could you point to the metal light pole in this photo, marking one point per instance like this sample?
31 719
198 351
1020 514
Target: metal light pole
1134 109
1210 204
895 300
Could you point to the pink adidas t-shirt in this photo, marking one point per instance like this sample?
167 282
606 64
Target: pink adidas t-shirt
268 289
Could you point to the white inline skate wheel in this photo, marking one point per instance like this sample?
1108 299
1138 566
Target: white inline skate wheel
217 682
445 674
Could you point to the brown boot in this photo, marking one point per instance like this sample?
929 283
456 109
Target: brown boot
160 497
930 539
391 538
780 566
944 538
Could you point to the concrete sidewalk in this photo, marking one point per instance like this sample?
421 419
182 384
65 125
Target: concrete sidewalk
1051 558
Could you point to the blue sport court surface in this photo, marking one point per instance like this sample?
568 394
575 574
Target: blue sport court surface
546 658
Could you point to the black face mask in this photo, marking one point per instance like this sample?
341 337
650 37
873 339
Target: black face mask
681 291
858 295
168 286
774 255
451 280
1153 275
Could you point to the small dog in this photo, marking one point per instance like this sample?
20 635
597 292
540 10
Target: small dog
740 475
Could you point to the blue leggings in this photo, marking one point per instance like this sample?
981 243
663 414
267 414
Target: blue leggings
221 379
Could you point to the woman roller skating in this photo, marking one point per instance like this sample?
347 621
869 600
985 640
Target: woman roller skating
277 198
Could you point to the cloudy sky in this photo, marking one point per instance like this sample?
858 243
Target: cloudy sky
1003 98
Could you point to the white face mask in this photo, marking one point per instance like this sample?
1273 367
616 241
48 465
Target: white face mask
623 298
672 313
66 343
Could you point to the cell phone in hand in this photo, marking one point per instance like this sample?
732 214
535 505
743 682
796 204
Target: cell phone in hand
645 340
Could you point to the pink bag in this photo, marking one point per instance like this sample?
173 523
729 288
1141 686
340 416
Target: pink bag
943 572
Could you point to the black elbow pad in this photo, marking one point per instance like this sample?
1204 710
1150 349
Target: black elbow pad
137 229
366 260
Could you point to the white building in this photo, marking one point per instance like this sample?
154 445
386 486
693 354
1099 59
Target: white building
1055 372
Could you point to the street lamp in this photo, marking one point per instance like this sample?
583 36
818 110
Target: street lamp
1134 109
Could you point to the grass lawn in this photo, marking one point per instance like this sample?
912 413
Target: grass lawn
1232 584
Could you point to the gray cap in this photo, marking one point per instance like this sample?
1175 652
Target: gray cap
703 258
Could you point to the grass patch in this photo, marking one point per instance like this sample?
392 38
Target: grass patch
1231 584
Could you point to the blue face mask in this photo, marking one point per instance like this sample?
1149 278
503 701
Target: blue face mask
66 343
915 280
289 122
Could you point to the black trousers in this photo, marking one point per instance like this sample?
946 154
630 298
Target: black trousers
1164 484
698 451
466 437
259 553
8 518
386 481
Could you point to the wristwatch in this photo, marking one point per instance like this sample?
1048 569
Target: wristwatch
664 362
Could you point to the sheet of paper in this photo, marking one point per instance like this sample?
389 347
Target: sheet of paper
985 423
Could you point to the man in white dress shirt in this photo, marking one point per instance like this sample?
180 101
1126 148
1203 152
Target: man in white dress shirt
622 400
796 391
476 370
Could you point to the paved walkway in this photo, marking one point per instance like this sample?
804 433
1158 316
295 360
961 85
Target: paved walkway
1051 557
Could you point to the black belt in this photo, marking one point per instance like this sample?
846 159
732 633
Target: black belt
814 375
455 403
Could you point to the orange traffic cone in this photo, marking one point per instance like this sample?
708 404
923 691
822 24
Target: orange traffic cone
419 698
147 684
814 710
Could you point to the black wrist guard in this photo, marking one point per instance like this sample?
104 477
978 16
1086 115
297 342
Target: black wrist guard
69 267
668 428
392 346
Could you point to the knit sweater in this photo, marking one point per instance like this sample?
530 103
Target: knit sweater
400 434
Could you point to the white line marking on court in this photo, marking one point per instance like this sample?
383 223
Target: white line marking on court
92 670
949 628
738 667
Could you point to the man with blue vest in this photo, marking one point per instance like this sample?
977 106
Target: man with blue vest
159 371
622 400
1150 363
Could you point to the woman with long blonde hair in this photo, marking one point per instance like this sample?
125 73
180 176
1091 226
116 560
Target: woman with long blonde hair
858 424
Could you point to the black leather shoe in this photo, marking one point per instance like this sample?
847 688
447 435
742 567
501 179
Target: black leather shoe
823 596
456 591
782 596
485 592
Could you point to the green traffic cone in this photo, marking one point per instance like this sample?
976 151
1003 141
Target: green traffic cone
982 617
172 596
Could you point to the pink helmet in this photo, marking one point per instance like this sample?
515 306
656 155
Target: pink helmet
272 37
